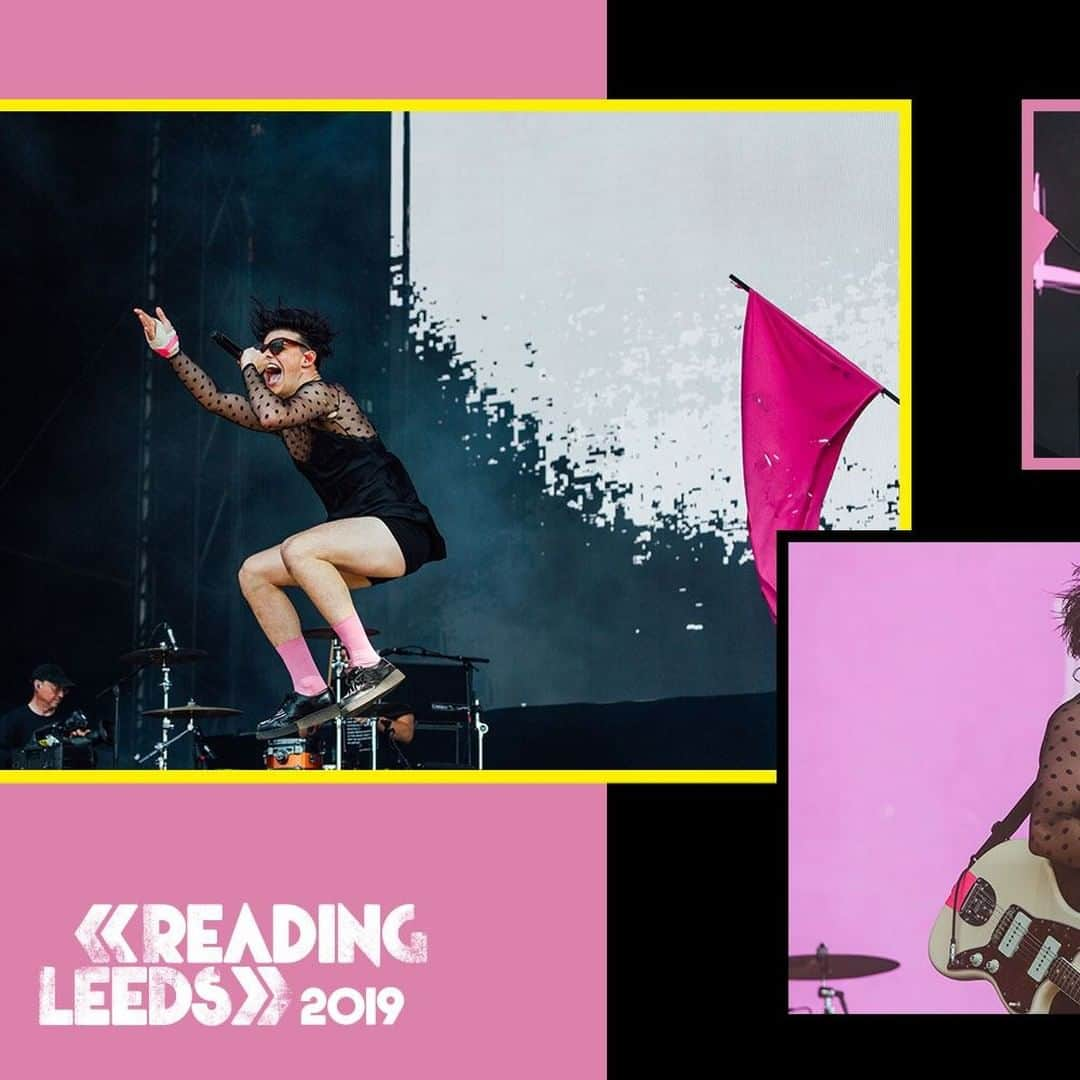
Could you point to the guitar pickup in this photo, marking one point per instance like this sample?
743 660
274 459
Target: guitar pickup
1040 966
1013 934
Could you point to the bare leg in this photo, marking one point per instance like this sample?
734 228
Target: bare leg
263 580
321 562
327 560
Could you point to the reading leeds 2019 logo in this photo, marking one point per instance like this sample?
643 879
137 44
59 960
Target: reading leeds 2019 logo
239 982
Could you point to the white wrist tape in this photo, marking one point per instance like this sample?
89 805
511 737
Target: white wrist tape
165 341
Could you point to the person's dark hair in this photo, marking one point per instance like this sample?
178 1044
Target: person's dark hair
310 325
1070 614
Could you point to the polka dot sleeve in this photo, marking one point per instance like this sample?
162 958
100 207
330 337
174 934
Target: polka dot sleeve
1054 832
234 407
312 401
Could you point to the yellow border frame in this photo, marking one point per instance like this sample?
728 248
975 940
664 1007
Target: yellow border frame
902 109
292 777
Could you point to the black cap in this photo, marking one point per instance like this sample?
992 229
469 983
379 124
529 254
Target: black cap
53 673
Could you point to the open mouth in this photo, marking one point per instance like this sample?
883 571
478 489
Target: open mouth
273 375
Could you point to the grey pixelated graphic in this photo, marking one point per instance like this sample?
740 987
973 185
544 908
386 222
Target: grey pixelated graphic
596 316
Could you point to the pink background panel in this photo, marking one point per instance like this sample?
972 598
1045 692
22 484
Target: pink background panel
921 677
508 884
324 48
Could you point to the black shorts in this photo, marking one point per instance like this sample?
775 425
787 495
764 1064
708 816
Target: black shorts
414 541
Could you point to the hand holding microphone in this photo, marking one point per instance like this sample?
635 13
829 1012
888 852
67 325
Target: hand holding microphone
253 356
250 355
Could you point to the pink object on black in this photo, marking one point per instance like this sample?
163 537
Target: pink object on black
800 398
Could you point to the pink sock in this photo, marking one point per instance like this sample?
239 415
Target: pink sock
305 675
356 643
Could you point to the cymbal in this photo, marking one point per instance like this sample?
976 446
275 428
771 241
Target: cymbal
157 655
836 966
192 710
326 633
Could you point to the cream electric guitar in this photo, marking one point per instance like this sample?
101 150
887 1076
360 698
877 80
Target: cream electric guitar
1012 928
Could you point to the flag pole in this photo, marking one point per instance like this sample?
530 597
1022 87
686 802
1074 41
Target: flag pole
746 288
1062 236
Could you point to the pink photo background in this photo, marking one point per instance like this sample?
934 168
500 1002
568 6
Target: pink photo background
321 49
509 883
921 676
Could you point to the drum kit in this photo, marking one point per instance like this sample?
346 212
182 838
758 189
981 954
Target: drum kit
298 751
165 656
824 966
294 752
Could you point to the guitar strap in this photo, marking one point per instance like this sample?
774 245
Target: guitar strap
1000 832
1003 829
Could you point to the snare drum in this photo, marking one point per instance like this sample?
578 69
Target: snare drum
293 753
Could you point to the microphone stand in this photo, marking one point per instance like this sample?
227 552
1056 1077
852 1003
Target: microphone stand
114 689
417 650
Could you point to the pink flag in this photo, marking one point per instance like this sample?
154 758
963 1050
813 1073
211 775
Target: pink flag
800 398
1038 235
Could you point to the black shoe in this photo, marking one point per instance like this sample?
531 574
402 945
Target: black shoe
312 711
362 685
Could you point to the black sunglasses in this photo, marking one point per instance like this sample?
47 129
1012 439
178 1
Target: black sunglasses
280 344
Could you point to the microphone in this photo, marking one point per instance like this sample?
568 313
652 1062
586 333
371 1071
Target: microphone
170 635
226 343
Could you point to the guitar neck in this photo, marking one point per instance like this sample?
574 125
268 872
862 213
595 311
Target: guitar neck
1066 978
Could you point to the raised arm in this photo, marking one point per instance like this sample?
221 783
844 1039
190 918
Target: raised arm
234 407
162 338
1055 812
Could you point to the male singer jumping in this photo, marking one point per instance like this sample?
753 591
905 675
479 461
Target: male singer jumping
376 528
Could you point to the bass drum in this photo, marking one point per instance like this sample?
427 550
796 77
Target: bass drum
294 753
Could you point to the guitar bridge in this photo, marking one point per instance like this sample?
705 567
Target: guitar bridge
979 904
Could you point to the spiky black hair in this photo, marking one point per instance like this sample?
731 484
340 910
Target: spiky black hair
1070 615
310 325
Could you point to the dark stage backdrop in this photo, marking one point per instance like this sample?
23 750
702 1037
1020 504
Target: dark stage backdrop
1057 313
216 208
